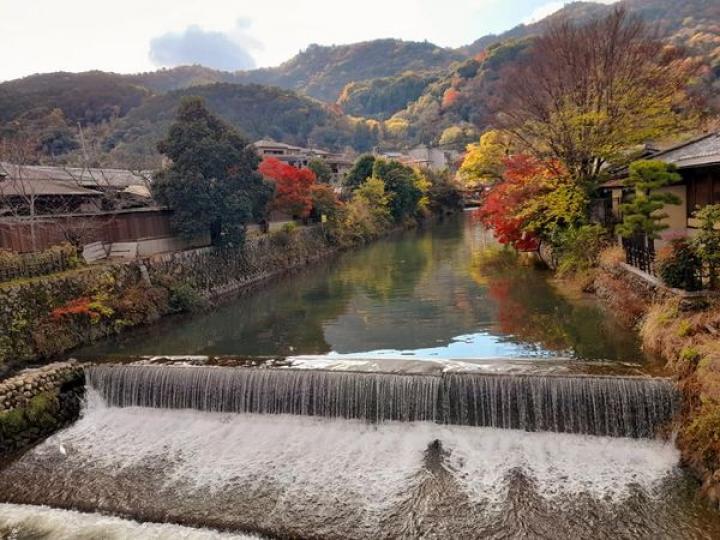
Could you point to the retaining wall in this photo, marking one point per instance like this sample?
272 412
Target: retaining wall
37 402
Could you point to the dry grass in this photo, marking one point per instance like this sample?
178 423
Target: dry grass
612 256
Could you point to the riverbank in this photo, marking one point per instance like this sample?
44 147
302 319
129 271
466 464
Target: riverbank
42 318
46 316
684 329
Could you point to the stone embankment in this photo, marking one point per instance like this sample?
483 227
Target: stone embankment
37 402
46 316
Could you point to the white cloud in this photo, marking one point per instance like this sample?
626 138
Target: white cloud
78 35
551 7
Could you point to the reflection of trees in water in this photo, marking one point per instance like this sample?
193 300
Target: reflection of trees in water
531 310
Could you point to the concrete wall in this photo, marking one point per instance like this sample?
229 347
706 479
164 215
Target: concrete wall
677 215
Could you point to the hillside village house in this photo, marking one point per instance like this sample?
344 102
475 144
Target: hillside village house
297 156
698 162
41 206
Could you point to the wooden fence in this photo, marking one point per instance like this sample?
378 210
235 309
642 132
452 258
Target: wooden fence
33 235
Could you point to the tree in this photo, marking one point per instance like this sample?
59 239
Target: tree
401 182
643 214
585 94
292 186
213 183
443 192
324 202
536 201
483 163
361 171
707 242
323 172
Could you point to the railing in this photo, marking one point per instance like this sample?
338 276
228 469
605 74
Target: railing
640 253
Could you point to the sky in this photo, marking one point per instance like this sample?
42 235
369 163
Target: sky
131 36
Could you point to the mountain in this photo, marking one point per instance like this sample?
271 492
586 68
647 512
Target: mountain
380 98
256 111
90 98
322 72
396 92
458 105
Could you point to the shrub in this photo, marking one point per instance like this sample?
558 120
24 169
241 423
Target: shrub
579 248
707 241
679 266
184 297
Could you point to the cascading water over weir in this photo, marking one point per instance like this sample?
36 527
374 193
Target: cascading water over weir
593 405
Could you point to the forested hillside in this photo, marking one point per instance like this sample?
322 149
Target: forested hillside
322 72
257 111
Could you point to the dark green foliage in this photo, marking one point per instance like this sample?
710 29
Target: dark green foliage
323 172
380 98
256 111
213 184
444 193
578 248
642 215
680 266
361 171
89 98
400 183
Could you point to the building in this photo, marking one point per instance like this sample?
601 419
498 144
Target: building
300 157
698 163
424 157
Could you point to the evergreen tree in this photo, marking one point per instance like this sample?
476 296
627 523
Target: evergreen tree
643 214
361 171
400 182
213 183
323 172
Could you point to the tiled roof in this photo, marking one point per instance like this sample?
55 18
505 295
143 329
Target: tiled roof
85 177
704 150
39 188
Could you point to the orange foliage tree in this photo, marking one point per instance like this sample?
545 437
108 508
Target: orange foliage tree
293 186
511 206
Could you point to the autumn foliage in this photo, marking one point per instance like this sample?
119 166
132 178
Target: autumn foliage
293 186
533 197
450 96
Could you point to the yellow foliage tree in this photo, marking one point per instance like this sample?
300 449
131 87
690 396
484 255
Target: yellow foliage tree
483 163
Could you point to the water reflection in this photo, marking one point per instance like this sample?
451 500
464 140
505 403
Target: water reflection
417 295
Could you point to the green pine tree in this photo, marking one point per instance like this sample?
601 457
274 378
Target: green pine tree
643 213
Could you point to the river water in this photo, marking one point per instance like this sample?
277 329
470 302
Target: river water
416 296
160 454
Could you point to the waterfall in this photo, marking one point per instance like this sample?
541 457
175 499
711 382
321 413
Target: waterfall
610 406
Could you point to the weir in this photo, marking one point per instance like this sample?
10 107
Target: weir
634 407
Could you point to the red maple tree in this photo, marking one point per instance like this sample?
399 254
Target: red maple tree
524 178
292 186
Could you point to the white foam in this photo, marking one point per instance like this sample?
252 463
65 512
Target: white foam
25 521
372 465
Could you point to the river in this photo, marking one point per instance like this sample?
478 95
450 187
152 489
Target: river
419 295
187 452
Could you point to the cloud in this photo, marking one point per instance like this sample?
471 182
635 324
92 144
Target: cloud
219 50
543 11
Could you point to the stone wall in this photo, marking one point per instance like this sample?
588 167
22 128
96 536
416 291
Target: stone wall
214 272
43 317
37 402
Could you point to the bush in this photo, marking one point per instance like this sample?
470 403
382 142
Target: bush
184 297
579 248
679 266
